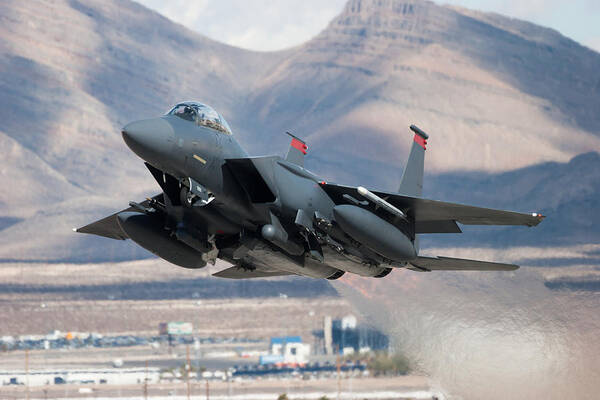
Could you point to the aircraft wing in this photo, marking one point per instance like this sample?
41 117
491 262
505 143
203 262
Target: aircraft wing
432 216
109 227
426 264
246 273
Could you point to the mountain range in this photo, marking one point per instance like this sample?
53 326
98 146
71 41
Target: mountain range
511 108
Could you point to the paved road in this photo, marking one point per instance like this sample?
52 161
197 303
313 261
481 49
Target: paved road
401 387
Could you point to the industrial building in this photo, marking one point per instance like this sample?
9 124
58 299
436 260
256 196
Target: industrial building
286 351
348 337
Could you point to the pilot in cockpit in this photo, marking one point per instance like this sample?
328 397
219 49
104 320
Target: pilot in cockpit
202 115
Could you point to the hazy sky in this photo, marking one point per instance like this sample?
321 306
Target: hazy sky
278 24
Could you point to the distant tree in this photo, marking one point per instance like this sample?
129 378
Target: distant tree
384 364
283 396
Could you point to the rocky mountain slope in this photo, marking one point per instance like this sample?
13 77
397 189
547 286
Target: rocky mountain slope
501 93
496 95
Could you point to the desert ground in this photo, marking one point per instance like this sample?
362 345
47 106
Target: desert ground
132 298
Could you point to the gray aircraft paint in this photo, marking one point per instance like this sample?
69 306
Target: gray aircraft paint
270 216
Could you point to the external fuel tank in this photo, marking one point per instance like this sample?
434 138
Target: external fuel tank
374 232
146 231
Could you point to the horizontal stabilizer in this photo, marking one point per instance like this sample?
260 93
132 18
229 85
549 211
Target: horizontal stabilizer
246 273
426 264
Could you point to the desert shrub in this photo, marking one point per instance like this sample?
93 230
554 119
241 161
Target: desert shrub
385 364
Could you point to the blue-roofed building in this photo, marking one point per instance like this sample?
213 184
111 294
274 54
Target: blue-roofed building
285 339
287 350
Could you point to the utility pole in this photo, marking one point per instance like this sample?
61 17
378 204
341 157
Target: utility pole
188 369
27 373
197 348
339 370
146 383
207 393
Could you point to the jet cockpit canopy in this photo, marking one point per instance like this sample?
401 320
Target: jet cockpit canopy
201 114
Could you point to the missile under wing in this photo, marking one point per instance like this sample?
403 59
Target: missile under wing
433 216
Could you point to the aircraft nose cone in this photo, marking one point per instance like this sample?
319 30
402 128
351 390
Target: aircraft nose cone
149 138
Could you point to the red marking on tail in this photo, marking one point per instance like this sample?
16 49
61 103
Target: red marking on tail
298 145
421 141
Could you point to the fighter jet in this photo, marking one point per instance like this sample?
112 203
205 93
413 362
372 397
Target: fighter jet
270 216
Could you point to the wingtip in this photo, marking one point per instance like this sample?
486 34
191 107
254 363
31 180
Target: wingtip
538 218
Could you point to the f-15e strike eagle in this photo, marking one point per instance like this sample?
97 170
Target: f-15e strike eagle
269 216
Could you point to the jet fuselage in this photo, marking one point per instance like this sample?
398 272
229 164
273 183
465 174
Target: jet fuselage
269 216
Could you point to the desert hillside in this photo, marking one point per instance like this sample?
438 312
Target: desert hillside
501 99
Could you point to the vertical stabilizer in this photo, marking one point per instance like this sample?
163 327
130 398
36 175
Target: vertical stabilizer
297 151
411 183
